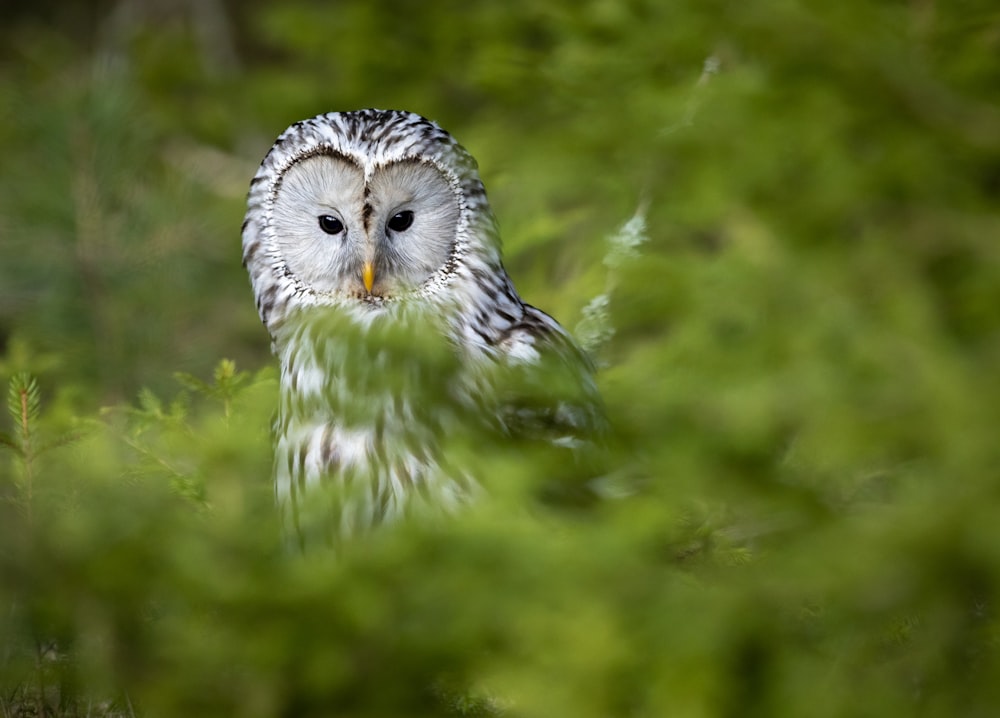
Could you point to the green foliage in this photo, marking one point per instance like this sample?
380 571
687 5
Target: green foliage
227 382
799 358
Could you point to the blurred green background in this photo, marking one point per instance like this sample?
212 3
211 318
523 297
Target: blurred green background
804 373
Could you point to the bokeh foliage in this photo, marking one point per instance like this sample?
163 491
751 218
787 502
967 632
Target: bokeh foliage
803 375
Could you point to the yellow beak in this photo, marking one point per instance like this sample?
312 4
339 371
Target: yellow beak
368 276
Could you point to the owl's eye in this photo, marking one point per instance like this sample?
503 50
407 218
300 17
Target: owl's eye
401 221
330 224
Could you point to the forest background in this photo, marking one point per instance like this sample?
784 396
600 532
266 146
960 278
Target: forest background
778 225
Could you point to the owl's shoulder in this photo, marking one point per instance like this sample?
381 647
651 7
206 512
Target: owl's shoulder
535 337
548 387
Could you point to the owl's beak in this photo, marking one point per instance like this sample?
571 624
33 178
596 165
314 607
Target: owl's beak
368 276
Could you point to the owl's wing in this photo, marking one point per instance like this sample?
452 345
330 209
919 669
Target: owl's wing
547 389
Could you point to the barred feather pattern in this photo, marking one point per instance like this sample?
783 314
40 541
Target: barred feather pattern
366 413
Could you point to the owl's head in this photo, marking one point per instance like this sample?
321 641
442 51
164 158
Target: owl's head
363 208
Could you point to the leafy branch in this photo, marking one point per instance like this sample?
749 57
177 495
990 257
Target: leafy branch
162 433
24 407
227 383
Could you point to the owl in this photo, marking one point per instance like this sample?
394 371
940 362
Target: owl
375 262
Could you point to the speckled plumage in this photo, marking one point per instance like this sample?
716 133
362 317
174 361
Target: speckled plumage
440 279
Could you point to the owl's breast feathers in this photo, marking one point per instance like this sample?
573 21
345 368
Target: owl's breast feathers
372 405
368 405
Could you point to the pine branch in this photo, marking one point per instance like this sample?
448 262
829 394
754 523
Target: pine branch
227 383
24 406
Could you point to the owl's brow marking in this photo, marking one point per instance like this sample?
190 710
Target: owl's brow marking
367 210
326 151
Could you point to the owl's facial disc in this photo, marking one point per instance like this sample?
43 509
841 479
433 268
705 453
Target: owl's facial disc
412 213
339 235
316 223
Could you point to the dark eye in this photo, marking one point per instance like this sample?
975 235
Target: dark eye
401 221
330 224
